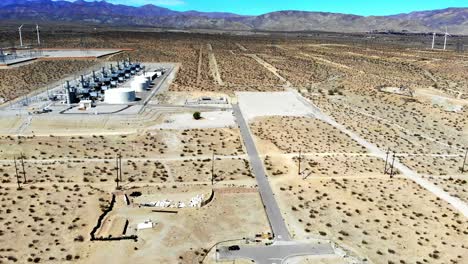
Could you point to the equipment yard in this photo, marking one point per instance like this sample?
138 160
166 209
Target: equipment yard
192 148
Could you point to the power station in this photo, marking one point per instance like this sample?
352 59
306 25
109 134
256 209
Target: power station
122 83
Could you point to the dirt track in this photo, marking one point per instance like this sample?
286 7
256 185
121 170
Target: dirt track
214 66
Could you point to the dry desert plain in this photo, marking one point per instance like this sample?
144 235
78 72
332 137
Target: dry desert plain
407 99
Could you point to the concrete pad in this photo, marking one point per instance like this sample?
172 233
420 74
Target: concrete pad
254 104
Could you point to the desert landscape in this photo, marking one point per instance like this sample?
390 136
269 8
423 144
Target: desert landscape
362 142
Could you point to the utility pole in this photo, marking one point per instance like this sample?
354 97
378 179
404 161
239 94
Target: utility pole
22 165
117 171
391 168
17 176
38 37
299 163
120 166
212 169
386 161
464 161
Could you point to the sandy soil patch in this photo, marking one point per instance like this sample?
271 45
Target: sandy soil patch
180 98
385 220
55 223
213 119
186 237
155 143
294 134
200 170
16 82
439 99
457 186
214 66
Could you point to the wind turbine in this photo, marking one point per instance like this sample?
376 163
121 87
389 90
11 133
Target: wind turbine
21 37
433 39
38 37
445 38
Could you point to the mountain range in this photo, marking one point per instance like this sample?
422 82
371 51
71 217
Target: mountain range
104 13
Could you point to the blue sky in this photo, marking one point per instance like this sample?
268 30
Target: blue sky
256 7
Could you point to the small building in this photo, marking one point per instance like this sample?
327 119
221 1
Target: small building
146 225
85 104
151 75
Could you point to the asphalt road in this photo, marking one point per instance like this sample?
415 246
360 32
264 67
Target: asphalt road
276 253
283 247
273 212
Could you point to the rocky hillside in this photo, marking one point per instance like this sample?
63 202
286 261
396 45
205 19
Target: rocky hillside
456 19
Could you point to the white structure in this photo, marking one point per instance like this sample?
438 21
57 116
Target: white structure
21 36
433 39
119 96
445 38
85 104
207 101
138 87
145 225
196 201
151 75
38 37
140 84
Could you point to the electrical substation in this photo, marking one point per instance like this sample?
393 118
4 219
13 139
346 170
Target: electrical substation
117 87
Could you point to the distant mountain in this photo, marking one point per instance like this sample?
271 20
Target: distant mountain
305 21
101 12
456 19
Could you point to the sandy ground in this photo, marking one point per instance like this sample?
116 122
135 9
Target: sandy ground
180 98
17 82
456 185
229 216
214 119
200 170
55 222
305 134
380 219
154 143
345 196
214 66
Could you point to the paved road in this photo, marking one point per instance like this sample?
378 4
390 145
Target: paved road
273 212
276 253
283 247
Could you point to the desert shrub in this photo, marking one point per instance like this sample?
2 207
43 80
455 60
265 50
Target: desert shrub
197 115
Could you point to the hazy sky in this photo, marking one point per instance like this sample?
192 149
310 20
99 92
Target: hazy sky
255 7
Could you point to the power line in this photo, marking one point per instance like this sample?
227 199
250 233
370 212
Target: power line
386 161
120 167
212 169
299 162
117 171
393 162
464 161
22 165
17 176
